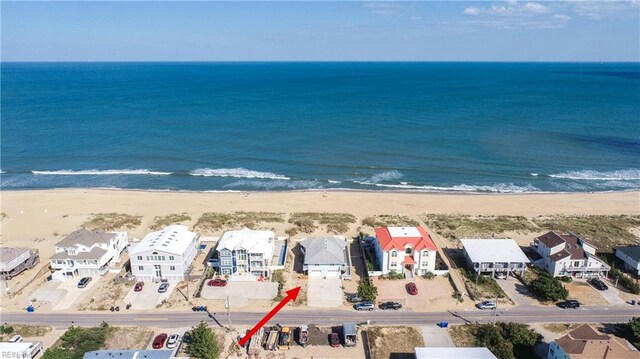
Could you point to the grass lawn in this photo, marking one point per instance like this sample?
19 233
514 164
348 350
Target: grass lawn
399 341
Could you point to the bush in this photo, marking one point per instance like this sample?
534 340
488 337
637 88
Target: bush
548 287
367 290
277 276
393 275
202 343
6 329
56 353
76 341
428 275
490 336
625 281
565 279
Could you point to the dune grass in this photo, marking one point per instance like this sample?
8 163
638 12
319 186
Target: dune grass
308 222
389 220
218 220
111 221
394 342
455 226
163 221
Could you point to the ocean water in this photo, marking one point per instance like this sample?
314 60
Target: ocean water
458 127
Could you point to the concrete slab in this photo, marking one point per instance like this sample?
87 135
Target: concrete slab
324 293
612 295
149 297
240 292
74 294
435 336
516 291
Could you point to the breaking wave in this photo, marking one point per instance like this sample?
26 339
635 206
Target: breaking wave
497 188
236 172
590 175
380 177
274 184
102 172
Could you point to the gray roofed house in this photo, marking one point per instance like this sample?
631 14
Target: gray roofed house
13 261
325 257
630 255
87 253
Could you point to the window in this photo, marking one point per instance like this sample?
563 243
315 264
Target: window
408 250
139 258
171 258
140 267
225 262
71 252
393 264
394 254
172 268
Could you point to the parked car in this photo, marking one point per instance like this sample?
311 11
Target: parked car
15 339
158 342
334 340
571 303
173 340
598 284
364 306
138 287
354 298
501 275
217 283
390 305
163 288
84 282
487 304
412 289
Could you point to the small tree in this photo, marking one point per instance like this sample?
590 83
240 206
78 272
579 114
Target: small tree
367 290
490 336
634 326
549 287
56 353
202 343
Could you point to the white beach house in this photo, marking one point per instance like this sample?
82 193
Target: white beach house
491 256
249 253
405 249
568 255
87 253
164 255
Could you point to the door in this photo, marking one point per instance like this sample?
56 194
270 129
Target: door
158 269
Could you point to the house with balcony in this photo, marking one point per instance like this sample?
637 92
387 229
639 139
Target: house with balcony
14 261
404 249
492 256
87 253
585 342
568 255
165 255
249 253
630 256
326 257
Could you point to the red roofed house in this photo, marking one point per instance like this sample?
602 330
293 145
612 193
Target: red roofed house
405 249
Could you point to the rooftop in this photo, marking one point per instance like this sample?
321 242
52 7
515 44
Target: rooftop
573 245
586 342
454 353
250 240
494 251
399 237
85 237
325 250
174 239
631 251
94 253
7 254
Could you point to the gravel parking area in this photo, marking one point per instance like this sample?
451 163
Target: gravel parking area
149 297
324 293
64 295
240 293
433 294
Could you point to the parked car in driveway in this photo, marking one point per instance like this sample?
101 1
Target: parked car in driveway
571 303
364 306
501 275
158 342
217 283
163 288
15 339
334 339
412 288
172 342
84 282
138 287
354 298
487 304
598 284
390 305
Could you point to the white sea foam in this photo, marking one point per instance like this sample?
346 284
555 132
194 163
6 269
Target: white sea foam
379 177
497 188
590 175
236 172
274 184
333 181
102 172
534 174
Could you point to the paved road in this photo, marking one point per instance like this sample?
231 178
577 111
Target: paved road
329 317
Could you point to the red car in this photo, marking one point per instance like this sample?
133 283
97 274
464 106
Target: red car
217 283
158 342
138 287
334 340
412 289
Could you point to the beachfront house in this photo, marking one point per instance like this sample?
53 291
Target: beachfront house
586 342
165 255
87 253
326 257
14 261
568 255
248 253
493 256
404 249
630 256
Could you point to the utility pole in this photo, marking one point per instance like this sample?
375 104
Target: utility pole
495 311
227 304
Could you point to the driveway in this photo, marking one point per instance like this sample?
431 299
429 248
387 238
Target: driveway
240 293
149 297
324 293
516 291
64 295
434 336
612 295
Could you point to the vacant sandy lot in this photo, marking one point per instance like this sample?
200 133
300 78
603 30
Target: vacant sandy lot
433 294
584 293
